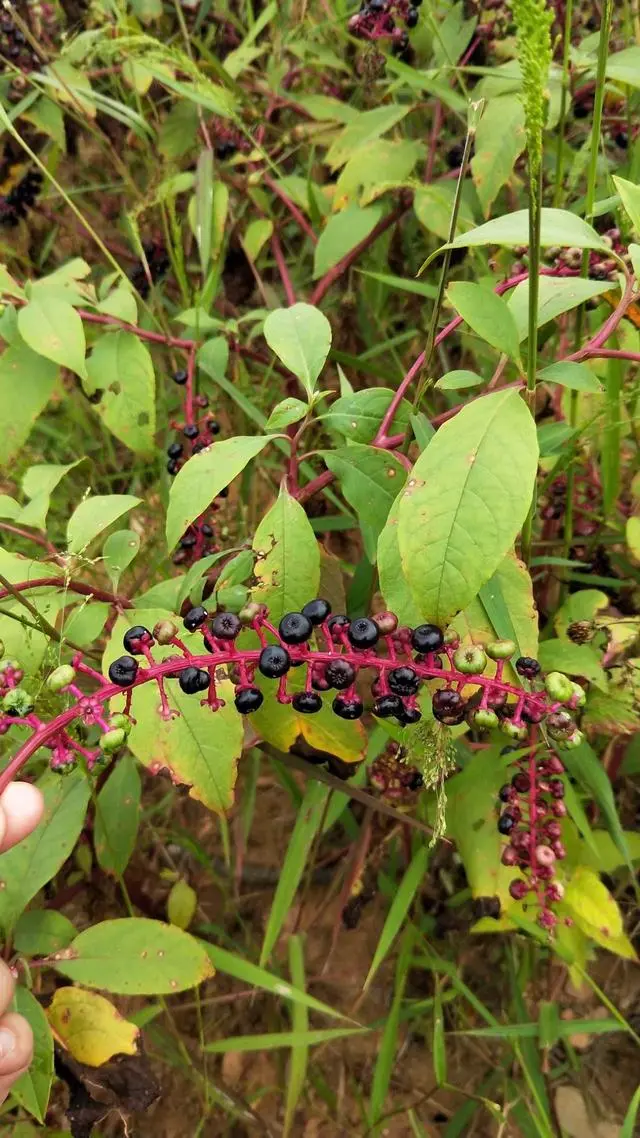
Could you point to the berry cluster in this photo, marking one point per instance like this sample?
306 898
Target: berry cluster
22 197
376 20
228 140
568 262
198 432
393 778
14 46
158 262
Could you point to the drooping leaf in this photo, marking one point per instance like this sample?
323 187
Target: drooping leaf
372 167
559 227
38 483
23 370
89 1027
202 478
256 236
32 1089
135 956
280 724
630 196
363 129
182 903
53 329
287 567
300 336
341 234
471 823
591 903
117 816
486 314
31 864
465 501
120 368
370 480
94 515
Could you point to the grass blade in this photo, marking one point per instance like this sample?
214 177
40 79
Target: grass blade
629 1124
399 909
233 965
299 1051
275 1040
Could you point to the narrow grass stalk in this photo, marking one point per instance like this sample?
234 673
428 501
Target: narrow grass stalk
564 98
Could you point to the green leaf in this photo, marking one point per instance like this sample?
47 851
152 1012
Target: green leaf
624 66
93 515
34 377
504 609
300 336
630 194
575 659
48 119
341 234
118 551
367 126
500 139
433 206
182 903
370 480
40 932
487 314
134 956
556 295
471 823
53 329
202 478
38 483
629 1124
632 536
297 1072
373 167
559 227
280 724
31 864
9 508
465 501
257 234
584 765
120 303
358 416
287 568
84 622
213 357
393 585
457 380
418 288
308 820
120 368
201 748
577 377
285 413
32 1089
277 1039
233 964
117 817
591 904
402 901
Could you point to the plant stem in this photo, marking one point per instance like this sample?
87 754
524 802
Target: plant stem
535 218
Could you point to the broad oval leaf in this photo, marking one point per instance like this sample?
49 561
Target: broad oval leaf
500 138
287 567
486 314
117 816
393 585
120 368
203 477
359 415
503 609
285 413
93 515
465 501
32 1089
21 369
280 724
577 377
118 551
459 379
559 227
300 336
52 328
135 956
369 479
89 1027
40 932
341 234
555 296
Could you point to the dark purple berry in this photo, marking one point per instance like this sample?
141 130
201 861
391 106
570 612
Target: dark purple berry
172 466
248 700
363 633
410 715
274 661
207 530
123 671
506 822
404 681
505 794
338 625
174 450
317 611
213 426
197 447
340 674
135 637
195 617
448 707
412 18
188 541
415 781
307 702
427 638
180 377
190 431
521 782
226 625
295 628
348 708
387 706
527 667
192 680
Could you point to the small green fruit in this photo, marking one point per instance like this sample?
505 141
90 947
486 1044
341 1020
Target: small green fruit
500 649
451 638
485 719
514 730
576 739
471 660
120 722
579 696
249 613
61 678
112 740
17 702
559 687
164 631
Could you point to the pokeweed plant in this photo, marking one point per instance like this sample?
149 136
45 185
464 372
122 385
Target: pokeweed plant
364 501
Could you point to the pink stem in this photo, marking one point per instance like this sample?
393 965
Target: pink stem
336 272
291 206
283 269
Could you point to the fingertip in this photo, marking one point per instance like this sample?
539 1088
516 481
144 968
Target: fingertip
16 1044
21 809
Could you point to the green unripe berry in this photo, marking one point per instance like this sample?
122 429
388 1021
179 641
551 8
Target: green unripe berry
451 638
579 696
112 740
249 613
61 678
233 598
485 719
500 649
559 687
120 722
165 631
17 702
576 739
516 731
471 660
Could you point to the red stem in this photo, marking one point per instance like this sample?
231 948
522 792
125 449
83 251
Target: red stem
291 206
80 587
337 271
283 269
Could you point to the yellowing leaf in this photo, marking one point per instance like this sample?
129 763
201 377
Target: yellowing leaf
592 907
287 568
181 904
633 537
89 1027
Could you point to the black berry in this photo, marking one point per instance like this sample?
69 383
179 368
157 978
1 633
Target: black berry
404 681
248 700
135 637
190 431
123 671
188 541
410 715
387 706
226 625
180 377
506 822
505 794
193 680
174 450
527 667
195 617
213 427
295 628
274 662
224 493
172 466
448 707
317 611
340 674
338 625
412 18
348 708
363 633
427 638
307 702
